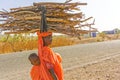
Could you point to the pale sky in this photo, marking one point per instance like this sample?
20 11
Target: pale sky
105 12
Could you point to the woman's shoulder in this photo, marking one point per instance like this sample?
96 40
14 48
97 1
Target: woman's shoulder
46 47
47 50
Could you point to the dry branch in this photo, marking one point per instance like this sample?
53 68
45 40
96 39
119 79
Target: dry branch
61 17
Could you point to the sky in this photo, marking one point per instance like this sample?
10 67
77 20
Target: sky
105 12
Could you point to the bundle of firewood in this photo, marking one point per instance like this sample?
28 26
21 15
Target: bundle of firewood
60 17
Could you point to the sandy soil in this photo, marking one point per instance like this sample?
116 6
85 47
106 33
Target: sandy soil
106 70
94 61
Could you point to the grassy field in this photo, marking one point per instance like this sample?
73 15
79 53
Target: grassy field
20 43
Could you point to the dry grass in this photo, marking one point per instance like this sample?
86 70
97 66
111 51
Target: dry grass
20 43
62 41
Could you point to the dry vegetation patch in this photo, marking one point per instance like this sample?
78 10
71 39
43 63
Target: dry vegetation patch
20 43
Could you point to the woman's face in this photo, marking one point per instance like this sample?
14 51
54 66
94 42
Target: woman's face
47 40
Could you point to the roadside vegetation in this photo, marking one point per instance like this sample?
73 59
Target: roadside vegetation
19 42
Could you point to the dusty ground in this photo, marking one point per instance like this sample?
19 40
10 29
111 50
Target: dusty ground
105 70
94 61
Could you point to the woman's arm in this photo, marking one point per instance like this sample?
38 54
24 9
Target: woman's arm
54 76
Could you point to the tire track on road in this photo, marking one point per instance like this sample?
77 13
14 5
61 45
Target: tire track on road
100 59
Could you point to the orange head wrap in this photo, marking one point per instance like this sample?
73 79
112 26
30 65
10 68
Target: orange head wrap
44 34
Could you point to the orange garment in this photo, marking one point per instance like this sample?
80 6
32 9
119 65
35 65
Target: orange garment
55 59
46 55
58 67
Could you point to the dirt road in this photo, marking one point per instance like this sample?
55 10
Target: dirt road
16 66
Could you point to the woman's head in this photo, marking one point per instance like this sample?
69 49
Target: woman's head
46 37
47 40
